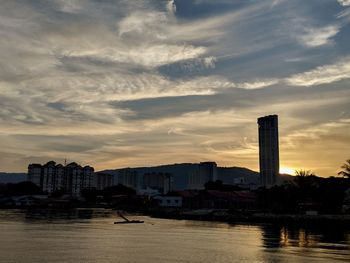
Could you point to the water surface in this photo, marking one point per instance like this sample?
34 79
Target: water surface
81 235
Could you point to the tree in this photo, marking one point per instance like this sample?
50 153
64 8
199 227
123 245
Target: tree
303 173
346 169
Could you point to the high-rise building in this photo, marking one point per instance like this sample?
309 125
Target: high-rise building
129 178
208 171
103 180
71 178
159 181
268 150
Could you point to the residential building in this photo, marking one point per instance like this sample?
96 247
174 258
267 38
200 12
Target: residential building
71 178
159 181
103 180
129 178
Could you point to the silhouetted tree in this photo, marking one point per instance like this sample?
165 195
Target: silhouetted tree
117 190
211 185
22 188
303 173
90 195
58 193
346 169
219 186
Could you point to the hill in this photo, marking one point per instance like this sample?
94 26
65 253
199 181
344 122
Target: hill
12 177
182 171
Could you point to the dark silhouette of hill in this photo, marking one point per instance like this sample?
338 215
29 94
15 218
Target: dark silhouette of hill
12 177
182 171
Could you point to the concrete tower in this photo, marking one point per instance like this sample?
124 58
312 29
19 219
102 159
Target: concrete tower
268 150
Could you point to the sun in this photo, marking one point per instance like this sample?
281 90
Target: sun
287 170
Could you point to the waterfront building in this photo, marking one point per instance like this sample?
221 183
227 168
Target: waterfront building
71 178
103 180
34 174
268 150
195 181
159 181
48 174
169 201
129 178
208 171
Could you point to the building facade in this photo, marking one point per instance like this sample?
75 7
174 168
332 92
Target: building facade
159 181
103 180
71 178
268 150
129 178
207 171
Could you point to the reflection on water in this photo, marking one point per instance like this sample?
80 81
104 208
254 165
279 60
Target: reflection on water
89 235
284 236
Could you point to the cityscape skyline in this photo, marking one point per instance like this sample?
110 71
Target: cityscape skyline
120 84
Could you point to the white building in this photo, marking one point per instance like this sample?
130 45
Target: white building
169 201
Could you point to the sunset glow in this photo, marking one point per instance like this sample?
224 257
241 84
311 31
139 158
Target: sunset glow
287 170
116 83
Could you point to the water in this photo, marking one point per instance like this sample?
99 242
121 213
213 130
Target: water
90 236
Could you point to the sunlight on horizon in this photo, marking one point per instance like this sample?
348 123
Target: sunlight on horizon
287 170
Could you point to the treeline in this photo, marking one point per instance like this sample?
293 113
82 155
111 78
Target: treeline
325 195
21 188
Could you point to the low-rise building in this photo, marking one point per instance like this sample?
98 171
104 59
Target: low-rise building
169 201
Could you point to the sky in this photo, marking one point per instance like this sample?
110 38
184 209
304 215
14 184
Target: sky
146 82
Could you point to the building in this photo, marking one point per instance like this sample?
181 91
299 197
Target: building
268 150
34 174
129 178
208 171
71 178
103 180
159 181
169 201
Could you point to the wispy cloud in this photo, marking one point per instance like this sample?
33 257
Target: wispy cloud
106 81
258 84
314 37
344 2
322 74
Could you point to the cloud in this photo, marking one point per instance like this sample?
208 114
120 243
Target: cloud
314 37
70 6
344 2
322 74
258 84
107 81
171 6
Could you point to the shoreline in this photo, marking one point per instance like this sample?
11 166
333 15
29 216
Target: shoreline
254 218
214 215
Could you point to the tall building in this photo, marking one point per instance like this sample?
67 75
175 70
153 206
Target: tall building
103 180
159 181
129 178
268 150
208 171
71 178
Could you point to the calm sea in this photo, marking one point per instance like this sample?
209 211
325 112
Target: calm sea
90 236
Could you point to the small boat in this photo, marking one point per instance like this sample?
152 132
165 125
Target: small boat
129 222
